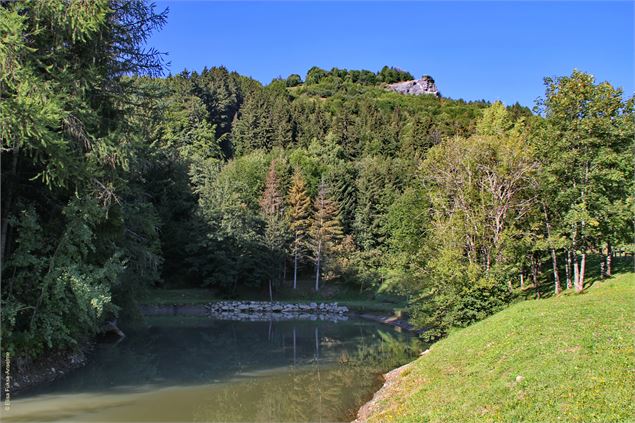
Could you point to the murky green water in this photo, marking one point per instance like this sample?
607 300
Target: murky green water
193 369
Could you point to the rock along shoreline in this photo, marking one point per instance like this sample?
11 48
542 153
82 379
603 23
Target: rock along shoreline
26 373
390 378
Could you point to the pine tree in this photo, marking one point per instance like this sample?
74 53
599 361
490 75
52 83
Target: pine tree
325 229
299 209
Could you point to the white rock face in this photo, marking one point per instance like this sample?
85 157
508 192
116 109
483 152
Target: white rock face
425 85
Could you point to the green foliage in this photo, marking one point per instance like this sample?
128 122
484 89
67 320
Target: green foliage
293 80
67 142
390 75
115 180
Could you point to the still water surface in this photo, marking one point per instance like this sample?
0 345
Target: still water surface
194 369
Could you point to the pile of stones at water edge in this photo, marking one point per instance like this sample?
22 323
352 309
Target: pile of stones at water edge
265 310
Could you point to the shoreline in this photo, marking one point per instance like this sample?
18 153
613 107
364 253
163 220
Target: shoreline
28 373
390 378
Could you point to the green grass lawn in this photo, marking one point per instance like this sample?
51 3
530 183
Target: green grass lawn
566 358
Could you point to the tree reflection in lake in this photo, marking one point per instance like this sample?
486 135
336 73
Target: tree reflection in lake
231 371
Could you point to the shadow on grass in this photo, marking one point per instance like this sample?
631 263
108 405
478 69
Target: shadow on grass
546 289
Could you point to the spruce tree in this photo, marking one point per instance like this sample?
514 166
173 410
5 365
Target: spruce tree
299 211
325 229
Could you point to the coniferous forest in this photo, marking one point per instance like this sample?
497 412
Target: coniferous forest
118 179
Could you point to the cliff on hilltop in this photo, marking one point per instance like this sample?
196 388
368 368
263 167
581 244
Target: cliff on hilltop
425 85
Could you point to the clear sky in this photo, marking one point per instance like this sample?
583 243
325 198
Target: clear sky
475 50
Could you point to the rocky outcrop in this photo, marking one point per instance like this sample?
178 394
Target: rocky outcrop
422 86
264 310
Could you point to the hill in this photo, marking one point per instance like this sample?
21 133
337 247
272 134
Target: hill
567 358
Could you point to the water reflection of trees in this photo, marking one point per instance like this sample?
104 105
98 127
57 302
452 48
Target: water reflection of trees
323 390
256 371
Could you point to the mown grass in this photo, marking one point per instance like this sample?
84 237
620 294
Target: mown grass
566 358
192 296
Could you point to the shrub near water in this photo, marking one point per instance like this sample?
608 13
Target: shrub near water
567 358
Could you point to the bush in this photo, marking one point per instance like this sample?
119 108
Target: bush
437 314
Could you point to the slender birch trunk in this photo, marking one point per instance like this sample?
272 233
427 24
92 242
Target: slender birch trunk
567 269
270 291
556 276
582 269
534 275
576 271
554 257
317 267
603 266
295 270
609 259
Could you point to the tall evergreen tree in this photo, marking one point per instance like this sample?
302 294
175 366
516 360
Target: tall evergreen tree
272 208
299 213
68 136
325 228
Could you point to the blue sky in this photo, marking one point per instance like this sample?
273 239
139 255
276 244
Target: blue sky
474 50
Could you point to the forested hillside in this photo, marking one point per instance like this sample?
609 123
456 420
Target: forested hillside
116 179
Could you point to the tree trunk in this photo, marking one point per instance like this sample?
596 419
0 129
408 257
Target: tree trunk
556 276
567 269
317 267
582 269
270 291
609 259
317 275
554 257
295 269
534 275
576 271
522 280
603 266
284 270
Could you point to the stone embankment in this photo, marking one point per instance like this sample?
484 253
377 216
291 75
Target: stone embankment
265 310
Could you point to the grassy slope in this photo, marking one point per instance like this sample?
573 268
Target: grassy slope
575 355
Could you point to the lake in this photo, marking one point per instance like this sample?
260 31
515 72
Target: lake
195 369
